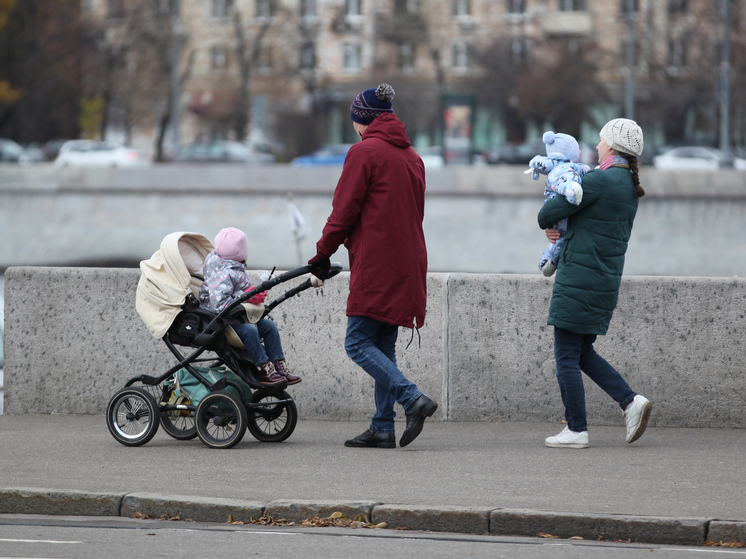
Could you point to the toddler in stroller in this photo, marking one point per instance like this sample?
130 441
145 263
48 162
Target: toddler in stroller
216 403
225 279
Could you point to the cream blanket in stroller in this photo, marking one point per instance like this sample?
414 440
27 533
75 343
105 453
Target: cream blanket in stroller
168 277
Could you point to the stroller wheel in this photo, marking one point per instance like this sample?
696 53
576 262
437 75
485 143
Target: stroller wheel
179 424
132 416
221 420
272 416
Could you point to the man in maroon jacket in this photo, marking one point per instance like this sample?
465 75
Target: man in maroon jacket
377 212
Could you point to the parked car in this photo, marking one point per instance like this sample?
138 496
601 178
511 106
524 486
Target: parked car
739 159
52 148
328 155
521 154
516 154
221 151
90 153
10 151
691 158
432 156
32 153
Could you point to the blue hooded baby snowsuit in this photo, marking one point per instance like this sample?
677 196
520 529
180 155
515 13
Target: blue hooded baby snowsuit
564 177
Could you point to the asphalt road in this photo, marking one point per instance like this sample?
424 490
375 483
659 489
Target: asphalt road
124 538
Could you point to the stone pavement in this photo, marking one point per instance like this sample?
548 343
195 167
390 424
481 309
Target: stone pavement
673 486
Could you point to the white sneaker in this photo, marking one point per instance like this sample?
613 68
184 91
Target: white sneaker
636 417
568 439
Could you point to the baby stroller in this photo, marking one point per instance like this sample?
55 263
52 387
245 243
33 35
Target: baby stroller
216 403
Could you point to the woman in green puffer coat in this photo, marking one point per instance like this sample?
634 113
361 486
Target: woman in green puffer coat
586 288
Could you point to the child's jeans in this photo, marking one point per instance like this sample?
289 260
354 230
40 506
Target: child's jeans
252 335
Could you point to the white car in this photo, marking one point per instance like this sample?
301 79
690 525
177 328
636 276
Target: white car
689 158
89 153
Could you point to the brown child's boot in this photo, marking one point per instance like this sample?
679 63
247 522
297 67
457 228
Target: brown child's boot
268 376
281 367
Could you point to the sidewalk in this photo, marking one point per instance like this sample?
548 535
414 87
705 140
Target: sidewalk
672 486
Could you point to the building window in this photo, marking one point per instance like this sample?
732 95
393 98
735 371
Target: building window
406 7
221 9
626 5
676 53
518 51
351 57
115 9
307 56
218 57
263 9
308 8
462 7
406 57
516 6
677 6
460 56
572 5
352 8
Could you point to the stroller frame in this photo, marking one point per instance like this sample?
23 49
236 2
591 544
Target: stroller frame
221 418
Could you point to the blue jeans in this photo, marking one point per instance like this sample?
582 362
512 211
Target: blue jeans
252 335
372 345
574 353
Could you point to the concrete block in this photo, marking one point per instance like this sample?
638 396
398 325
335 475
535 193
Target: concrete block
313 328
675 340
642 529
73 338
200 509
298 510
26 500
464 520
500 351
726 531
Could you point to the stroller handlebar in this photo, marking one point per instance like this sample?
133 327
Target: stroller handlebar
334 270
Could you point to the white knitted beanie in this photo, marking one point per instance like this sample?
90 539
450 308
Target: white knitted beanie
623 135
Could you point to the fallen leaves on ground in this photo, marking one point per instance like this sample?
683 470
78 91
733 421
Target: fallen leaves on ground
143 516
336 520
732 543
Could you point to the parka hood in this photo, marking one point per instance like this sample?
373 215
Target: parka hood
389 128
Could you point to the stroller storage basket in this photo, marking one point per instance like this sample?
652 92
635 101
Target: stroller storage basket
190 387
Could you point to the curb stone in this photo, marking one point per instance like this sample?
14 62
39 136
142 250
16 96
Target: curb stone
298 511
494 521
200 509
727 531
28 500
465 520
648 529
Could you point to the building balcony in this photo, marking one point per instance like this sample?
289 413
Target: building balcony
567 23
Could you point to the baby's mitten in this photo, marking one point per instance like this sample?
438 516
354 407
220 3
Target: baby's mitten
257 299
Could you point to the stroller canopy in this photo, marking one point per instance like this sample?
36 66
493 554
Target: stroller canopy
168 277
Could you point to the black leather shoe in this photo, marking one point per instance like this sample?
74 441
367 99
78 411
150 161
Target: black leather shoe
422 408
373 439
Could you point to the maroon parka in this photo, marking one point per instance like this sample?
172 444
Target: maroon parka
377 212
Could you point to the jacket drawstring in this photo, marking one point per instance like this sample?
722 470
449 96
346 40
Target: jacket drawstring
419 338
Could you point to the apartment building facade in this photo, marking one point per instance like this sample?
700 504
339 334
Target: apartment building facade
283 72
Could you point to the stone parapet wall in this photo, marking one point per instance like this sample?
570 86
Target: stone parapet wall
485 353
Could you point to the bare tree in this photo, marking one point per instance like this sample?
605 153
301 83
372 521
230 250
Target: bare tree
248 52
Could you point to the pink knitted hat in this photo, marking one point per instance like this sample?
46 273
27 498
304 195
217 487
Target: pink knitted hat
231 243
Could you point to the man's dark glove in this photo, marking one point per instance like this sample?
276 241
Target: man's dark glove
321 265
